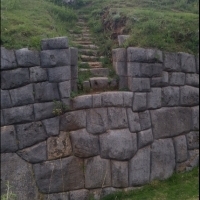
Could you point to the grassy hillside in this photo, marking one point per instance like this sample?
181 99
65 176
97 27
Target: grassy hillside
25 22
165 24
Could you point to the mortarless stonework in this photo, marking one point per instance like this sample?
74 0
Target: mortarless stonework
105 142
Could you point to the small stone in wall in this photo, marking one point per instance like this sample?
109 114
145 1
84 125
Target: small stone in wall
139 102
134 121
59 147
192 161
195 118
193 140
189 96
180 145
145 120
145 138
52 126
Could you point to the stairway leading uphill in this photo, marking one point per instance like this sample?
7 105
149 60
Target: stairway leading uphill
90 61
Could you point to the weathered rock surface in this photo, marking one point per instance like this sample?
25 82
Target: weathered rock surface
193 140
135 54
180 145
84 144
8 60
14 78
27 58
82 102
97 120
119 55
140 102
34 154
119 174
54 43
23 185
73 121
177 78
43 110
65 89
59 147
59 74
79 195
192 79
163 159
30 134
57 57
154 98
139 167
195 118
22 96
168 122
37 74
134 121
145 120
145 138
187 62
170 96
117 118
56 196
189 96
112 99
46 91
5 99
20 114
52 126
58 175
172 62
193 161
118 144
8 139
97 172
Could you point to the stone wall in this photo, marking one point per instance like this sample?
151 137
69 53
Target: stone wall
105 142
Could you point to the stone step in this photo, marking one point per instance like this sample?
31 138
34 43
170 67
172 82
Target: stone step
90 46
99 83
83 42
97 72
86 58
91 64
88 52
83 38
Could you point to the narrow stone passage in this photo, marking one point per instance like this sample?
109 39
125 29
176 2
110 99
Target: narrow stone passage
89 60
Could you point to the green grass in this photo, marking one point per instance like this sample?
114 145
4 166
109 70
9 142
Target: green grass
164 24
180 186
25 22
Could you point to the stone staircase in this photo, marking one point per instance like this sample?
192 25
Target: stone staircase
90 61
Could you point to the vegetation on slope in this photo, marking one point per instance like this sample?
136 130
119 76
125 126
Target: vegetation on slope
165 24
25 22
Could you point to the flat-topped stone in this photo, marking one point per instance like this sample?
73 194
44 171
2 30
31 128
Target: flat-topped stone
8 59
99 83
54 43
